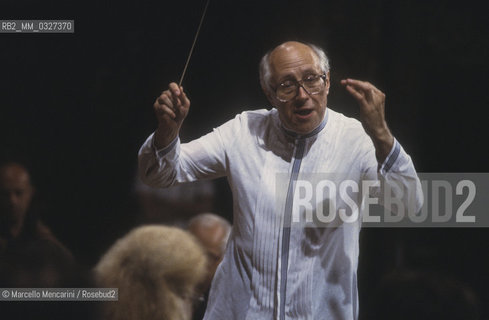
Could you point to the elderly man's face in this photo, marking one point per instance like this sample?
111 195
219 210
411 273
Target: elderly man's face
15 194
295 61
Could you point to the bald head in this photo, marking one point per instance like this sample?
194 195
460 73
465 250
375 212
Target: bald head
15 196
213 232
280 55
291 46
268 63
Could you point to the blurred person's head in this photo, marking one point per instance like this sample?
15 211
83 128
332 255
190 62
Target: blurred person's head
16 193
157 270
213 232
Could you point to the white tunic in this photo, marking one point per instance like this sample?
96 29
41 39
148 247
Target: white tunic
255 152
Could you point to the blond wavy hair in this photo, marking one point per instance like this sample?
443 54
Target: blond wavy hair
156 269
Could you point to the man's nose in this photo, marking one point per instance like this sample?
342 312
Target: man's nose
302 94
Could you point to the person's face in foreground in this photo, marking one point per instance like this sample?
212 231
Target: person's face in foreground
295 61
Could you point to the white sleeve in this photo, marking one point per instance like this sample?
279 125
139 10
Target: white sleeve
203 158
398 180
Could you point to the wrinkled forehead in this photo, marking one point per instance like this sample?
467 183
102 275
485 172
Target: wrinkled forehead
293 57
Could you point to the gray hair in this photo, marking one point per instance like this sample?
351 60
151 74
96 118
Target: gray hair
265 72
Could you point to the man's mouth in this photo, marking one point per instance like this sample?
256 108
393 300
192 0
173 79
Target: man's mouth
303 113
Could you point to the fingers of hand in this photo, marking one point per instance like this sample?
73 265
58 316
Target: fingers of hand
162 109
166 99
165 105
175 94
364 92
360 96
179 97
172 102
173 87
358 84
355 93
183 99
176 101
181 104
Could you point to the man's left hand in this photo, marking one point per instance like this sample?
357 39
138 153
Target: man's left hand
372 103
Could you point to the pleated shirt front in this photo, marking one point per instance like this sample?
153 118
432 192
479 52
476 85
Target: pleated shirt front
272 268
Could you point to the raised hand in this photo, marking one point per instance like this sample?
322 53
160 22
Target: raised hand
171 108
372 115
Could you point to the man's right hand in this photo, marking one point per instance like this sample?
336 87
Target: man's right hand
171 108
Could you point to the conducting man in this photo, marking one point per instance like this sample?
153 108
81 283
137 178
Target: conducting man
272 268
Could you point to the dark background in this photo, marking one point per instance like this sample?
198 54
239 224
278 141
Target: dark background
77 107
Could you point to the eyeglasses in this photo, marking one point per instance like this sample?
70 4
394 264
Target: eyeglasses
312 84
